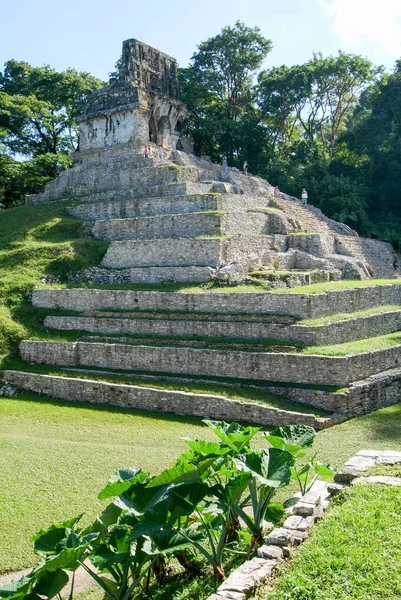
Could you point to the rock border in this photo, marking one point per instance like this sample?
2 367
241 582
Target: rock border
310 507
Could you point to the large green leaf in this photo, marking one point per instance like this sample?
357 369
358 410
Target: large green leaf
121 481
208 449
17 589
181 473
103 557
47 541
271 467
234 435
298 435
50 584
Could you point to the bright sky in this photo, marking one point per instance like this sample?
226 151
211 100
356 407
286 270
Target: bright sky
87 34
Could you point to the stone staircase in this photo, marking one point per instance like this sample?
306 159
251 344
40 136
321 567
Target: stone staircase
184 219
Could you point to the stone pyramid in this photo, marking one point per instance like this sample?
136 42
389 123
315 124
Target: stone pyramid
175 217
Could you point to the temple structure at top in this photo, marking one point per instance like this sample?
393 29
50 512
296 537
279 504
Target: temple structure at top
140 107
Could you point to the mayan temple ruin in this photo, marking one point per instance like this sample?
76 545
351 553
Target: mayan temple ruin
173 217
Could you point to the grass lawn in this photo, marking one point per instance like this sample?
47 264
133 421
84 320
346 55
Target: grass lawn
352 554
55 457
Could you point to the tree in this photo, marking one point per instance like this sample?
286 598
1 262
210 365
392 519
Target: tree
39 106
218 88
315 97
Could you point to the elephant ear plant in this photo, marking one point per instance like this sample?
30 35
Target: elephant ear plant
297 440
190 513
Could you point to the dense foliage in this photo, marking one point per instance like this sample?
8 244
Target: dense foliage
189 514
332 125
38 110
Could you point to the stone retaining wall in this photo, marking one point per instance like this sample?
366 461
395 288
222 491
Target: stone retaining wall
152 399
330 333
300 305
296 368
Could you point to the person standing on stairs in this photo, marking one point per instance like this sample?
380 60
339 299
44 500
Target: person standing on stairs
304 197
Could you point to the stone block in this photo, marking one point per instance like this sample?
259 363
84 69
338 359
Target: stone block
298 523
279 537
346 475
246 578
270 552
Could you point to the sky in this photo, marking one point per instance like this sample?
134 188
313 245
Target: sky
87 34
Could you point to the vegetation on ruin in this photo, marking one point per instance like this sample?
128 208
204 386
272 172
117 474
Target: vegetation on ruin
376 310
36 241
247 391
331 125
366 345
353 553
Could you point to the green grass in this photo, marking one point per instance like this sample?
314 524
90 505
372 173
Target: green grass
353 554
367 345
330 286
36 241
376 310
56 456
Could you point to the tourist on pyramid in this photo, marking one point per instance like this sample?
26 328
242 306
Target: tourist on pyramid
304 197
146 152
276 191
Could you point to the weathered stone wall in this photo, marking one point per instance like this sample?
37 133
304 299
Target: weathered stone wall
161 252
132 178
300 305
295 368
187 274
378 391
143 398
329 333
144 207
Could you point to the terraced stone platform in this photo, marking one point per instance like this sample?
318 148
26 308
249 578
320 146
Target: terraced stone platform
159 334
177 218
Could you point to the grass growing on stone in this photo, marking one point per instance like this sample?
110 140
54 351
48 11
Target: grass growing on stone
35 241
353 553
367 345
330 286
349 316
234 391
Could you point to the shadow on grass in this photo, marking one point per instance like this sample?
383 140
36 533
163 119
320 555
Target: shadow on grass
384 428
48 401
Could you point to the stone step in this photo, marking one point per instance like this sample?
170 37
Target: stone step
109 176
160 226
163 253
242 252
189 225
263 366
147 274
212 406
303 306
308 221
169 205
145 207
378 255
165 191
205 326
